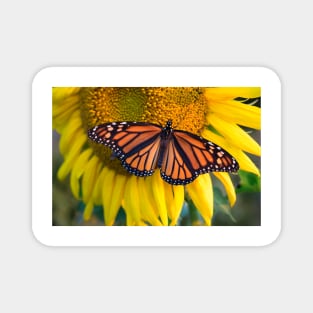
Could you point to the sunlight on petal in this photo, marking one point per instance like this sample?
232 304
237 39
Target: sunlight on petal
233 92
238 113
234 134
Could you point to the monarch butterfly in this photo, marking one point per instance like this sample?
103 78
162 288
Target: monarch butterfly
181 155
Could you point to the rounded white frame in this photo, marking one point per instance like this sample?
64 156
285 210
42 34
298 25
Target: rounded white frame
50 235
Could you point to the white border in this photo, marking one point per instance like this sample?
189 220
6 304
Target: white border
155 236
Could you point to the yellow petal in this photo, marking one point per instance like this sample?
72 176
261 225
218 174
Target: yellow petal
59 93
174 196
146 205
97 191
157 186
129 220
108 184
77 171
116 199
233 92
70 132
234 134
131 200
201 194
179 198
90 177
88 210
245 163
141 223
61 121
238 113
150 195
66 105
228 184
70 158
219 140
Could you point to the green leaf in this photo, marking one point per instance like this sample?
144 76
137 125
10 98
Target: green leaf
249 182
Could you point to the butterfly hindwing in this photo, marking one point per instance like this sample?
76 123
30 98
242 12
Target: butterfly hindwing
174 169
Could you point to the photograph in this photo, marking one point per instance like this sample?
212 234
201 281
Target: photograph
156 156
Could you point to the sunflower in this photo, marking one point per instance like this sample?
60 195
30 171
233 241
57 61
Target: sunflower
219 114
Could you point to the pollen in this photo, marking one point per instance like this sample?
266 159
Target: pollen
186 107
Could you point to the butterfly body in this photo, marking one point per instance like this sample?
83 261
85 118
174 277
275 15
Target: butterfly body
165 135
143 147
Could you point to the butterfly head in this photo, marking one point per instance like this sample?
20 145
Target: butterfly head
169 124
167 129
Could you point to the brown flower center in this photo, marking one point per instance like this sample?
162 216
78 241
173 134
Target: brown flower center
186 107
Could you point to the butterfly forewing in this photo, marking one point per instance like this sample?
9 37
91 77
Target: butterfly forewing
137 145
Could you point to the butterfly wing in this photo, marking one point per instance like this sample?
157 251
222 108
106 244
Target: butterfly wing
136 144
188 155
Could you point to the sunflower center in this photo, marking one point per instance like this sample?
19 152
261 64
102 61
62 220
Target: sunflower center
186 107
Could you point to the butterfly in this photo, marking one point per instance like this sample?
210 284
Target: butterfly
182 156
